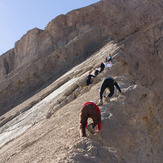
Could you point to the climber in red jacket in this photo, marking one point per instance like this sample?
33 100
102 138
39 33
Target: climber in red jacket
89 110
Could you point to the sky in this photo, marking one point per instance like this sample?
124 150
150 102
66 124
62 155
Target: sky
19 16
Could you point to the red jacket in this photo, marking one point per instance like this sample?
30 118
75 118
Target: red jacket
98 112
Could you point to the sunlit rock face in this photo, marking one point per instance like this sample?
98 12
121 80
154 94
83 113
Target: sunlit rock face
42 56
45 127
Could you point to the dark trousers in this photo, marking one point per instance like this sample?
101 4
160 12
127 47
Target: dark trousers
88 111
104 86
110 60
88 81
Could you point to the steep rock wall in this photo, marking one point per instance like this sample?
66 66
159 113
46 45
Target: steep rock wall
131 124
31 76
41 55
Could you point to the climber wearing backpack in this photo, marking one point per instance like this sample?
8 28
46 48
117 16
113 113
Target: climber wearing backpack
89 110
109 83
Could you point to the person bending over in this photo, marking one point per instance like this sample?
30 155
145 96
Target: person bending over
89 110
96 72
89 77
109 83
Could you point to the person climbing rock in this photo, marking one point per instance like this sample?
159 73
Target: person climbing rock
106 59
102 66
96 72
110 58
109 83
106 62
89 110
89 77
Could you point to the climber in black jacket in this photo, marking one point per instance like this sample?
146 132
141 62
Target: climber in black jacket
102 66
108 83
88 80
96 72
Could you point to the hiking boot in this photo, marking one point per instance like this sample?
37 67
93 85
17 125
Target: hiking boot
100 103
90 129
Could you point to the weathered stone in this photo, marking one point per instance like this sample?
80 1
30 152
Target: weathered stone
71 97
77 91
71 89
6 64
82 81
131 123
36 73
35 42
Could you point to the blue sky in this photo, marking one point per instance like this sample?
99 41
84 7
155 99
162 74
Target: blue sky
19 16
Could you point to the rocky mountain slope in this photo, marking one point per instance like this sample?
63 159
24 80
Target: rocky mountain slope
45 127
49 131
41 56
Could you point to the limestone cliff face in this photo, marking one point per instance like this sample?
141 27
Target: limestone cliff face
35 42
41 55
